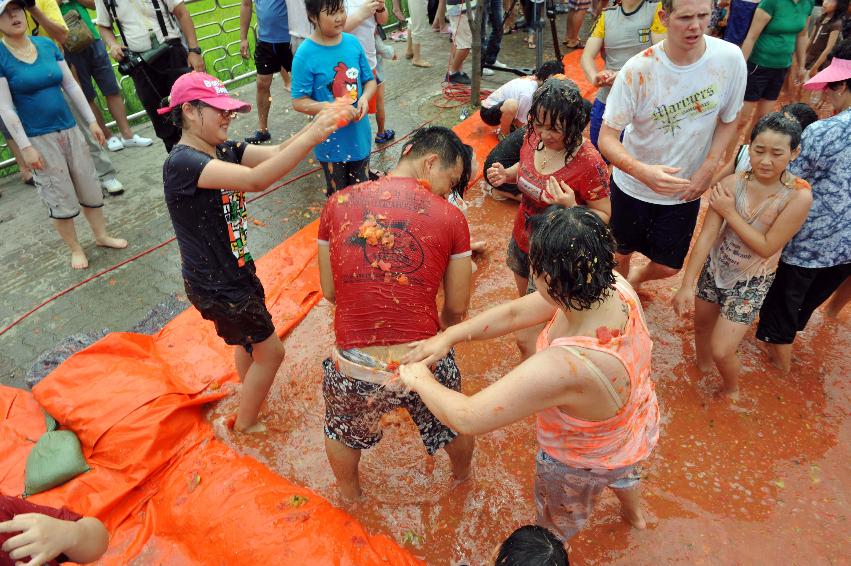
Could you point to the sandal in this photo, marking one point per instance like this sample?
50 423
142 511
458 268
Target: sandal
577 45
385 137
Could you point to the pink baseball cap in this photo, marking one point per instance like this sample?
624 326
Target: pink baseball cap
838 70
206 88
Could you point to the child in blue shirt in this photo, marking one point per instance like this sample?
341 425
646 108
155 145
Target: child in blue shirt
329 65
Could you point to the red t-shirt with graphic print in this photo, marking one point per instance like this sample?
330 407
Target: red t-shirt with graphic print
390 242
586 174
12 506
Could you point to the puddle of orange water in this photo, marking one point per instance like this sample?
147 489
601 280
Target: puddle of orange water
760 483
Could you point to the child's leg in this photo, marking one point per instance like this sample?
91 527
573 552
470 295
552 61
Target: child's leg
335 176
68 233
460 452
266 359
379 110
357 172
344 463
95 218
705 317
242 359
631 506
509 113
726 337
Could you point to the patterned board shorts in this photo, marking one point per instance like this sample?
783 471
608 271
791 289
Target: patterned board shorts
353 408
741 303
565 496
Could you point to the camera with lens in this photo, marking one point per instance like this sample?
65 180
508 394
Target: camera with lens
133 60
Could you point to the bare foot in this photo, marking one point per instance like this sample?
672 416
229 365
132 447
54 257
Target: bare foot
774 357
634 518
110 242
79 260
350 495
731 394
256 428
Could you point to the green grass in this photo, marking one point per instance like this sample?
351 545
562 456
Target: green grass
217 27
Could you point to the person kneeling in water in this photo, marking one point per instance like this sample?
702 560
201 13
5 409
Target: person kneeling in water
588 383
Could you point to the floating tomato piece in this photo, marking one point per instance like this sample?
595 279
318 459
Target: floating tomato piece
342 198
384 265
402 279
393 365
616 332
604 335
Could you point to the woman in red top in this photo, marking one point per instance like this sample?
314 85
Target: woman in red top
557 166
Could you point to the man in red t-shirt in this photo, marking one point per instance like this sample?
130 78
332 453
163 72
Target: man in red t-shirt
385 247
34 534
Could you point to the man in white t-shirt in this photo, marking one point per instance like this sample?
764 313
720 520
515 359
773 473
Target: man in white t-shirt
676 104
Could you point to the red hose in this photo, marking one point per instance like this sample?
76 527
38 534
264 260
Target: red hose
170 240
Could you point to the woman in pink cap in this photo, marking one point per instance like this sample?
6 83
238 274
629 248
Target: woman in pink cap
817 261
205 177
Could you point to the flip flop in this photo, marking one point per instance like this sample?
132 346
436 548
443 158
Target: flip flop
577 45
425 65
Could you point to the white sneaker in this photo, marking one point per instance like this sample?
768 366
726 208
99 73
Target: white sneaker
499 63
137 141
111 186
488 72
114 144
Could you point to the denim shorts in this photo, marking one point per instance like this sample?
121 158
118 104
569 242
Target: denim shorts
565 496
93 63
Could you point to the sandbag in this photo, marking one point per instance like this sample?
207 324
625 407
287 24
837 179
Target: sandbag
56 458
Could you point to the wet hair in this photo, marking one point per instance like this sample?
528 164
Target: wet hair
560 102
532 545
803 113
548 69
574 250
316 7
778 122
842 51
839 12
448 147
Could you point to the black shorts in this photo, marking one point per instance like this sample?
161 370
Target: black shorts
493 115
270 58
239 321
338 176
764 83
662 232
792 298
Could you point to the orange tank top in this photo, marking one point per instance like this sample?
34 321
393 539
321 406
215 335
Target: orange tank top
630 435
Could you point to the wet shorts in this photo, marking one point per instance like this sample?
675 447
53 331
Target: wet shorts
240 322
739 304
353 408
764 83
518 262
270 58
565 496
68 179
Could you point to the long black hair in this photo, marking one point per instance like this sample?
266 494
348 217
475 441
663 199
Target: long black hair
559 102
574 250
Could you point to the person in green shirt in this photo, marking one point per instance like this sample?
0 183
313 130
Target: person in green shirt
93 62
778 34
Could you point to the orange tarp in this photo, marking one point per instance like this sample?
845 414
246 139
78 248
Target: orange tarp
167 489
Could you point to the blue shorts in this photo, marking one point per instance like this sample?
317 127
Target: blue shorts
739 21
94 63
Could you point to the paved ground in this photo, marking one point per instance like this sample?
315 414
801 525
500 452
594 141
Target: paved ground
37 262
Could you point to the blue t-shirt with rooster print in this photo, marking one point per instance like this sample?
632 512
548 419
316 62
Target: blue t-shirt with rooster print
327 72
210 225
